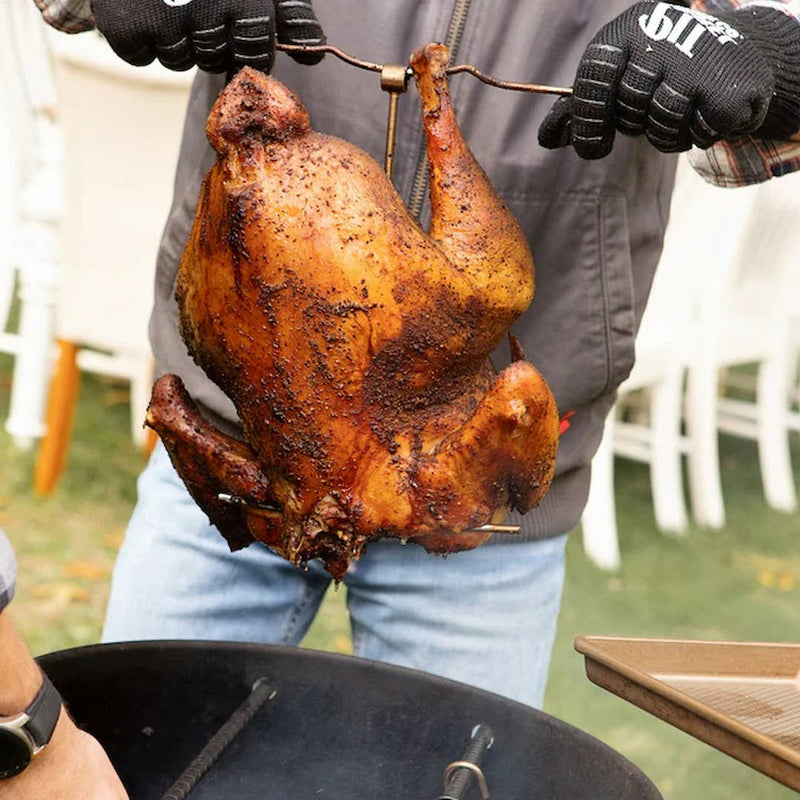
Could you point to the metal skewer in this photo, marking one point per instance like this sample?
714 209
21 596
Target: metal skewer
265 510
260 509
496 529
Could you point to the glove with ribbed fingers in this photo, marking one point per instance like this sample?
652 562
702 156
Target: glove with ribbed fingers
215 35
682 77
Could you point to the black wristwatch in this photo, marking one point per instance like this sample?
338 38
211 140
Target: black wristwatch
24 735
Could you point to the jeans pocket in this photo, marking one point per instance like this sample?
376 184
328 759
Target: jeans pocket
579 331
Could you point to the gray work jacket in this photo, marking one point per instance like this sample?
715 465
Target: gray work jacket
595 228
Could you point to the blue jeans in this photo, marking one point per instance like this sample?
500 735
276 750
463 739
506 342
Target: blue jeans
486 617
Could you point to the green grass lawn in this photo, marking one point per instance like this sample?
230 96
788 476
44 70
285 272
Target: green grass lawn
740 583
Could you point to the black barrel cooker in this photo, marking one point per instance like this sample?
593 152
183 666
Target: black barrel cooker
330 727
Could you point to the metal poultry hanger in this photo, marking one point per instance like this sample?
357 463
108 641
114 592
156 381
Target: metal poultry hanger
395 79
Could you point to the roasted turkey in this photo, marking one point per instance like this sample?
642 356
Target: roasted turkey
353 345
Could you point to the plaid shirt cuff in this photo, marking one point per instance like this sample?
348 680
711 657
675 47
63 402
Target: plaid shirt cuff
747 160
70 16
790 7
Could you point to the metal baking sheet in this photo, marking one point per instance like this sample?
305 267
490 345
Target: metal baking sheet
740 697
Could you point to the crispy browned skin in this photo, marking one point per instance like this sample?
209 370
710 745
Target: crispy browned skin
353 344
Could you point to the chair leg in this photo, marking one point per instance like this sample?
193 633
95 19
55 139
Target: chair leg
666 474
150 442
599 522
7 279
705 484
37 243
141 388
51 459
34 361
773 435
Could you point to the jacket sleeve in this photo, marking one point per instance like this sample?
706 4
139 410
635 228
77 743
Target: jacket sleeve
70 16
747 160
8 571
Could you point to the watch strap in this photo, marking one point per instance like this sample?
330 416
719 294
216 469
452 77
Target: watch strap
43 713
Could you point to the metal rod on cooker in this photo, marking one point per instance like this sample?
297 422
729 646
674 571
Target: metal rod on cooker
216 745
458 775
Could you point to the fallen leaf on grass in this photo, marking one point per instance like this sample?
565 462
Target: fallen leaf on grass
771 572
783 581
341 644
62 593
786 582
87 570
113 539
766 578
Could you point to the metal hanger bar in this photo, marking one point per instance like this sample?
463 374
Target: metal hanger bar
513 86
454 70
329 48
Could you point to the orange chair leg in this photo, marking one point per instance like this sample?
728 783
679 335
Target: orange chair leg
150 442
60 411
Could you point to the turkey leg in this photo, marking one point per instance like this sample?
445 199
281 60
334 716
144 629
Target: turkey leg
469 222
209 462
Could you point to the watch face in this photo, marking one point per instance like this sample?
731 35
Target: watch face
15 753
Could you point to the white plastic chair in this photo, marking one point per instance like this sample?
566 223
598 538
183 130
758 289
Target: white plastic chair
793 419
757 329
678 329
31 157
122 128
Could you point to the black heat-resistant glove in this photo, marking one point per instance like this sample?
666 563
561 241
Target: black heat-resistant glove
682 77
215 35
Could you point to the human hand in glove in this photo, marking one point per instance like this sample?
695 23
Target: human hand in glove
682 78
215 35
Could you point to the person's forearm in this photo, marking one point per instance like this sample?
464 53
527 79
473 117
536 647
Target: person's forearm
72 766
20 677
